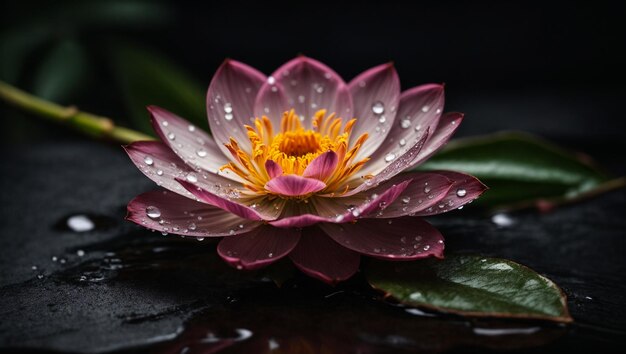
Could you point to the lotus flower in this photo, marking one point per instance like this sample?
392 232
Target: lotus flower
301 164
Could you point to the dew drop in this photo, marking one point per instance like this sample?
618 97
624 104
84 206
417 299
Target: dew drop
389 157
192 178
191 128
228 116
160 172
165 123
271 80
192 226
461 192
148 160
201 152
228 108
153 212
171 136
378 107
405 123
426 248
382 119
200 239
80 253
427 190
80 223
406 200
402 142
425 109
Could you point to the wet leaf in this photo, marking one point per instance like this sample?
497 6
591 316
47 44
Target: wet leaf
519 168
149 79
61 72
471 285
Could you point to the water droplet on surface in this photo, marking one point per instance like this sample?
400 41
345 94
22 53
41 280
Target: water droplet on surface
301 98
461 192
80 223
402 142
160 172
200 239
191 128
165 123
153 212
405 123
271 80
228 116
171 136
201 152
33 267
270 255
378 107
502 220
425 109
376 250
389 157
80 253
406 200
228 108
148 160
55 258
382 119
192 226
426 248
191 178
427 190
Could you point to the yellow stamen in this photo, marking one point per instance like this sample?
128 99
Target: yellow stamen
293 149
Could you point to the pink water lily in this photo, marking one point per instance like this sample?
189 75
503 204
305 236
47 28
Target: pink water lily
301 164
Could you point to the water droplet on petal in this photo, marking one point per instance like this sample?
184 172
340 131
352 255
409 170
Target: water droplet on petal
425 109
228 108
461 192
192 226
228 116
160 172
171 136
153 212
165 123
191 128
201 152
402 142
148 160
192 178
271 80
378 107
200 239
382 119
406 200
426 190
405 123
80 253
389 157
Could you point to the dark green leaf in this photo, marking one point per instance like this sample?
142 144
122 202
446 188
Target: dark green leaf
518 168
61 72
149 79
471 285
15 47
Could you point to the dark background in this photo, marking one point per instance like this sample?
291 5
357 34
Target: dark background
551 68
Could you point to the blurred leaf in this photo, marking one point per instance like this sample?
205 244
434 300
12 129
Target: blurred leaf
61 72
148 79
471 285
118 13
518 168
15 46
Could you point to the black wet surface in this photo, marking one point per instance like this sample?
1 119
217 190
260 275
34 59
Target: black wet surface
121 288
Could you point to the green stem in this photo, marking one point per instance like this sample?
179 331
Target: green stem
90 124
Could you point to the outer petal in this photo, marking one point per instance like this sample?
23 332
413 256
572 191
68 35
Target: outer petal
294 185
375 95
420 109
322 258
307 86
195 147
464 190
322 166
426 190
447 126
230 102
403 238
222 202
258 248
398 165
184 216
343 210
160 163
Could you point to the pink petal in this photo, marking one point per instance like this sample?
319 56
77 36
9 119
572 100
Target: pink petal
165 211
162 165
376 88
426 190
344 209
405 238
465 189
420 109
294 185
208 197
320 257
230 102
273 169
194 146
395 166
307 86
258 248
448 124
322 166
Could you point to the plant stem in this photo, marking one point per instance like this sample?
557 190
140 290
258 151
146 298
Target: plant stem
90 124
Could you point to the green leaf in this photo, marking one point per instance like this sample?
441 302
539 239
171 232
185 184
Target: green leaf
149 79
471 285
15 46
518 168
61 72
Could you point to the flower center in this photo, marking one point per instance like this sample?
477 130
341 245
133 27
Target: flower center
294 147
